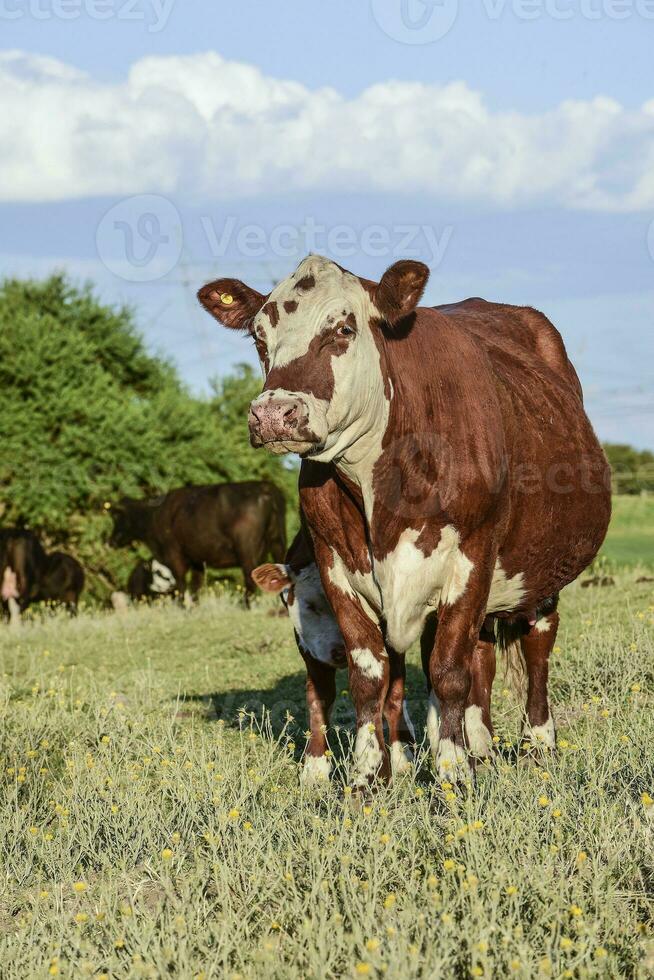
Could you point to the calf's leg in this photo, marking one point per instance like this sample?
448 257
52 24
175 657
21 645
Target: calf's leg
536 646
401 733
478 724
321 692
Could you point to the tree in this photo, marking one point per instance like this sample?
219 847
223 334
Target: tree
632 469
89 415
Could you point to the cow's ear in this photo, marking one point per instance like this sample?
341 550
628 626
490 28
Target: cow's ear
271 578
231 302
400 289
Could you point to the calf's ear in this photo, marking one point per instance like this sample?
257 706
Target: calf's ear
271 578
231 302
400 289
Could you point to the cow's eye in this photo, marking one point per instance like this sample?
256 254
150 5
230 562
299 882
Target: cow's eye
345 330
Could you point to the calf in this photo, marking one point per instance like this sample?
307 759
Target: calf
150 580
61 579
216 526
322 648
457 436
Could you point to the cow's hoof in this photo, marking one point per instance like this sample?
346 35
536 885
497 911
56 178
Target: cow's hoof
538 744
401 758
315 771
478 737
452 764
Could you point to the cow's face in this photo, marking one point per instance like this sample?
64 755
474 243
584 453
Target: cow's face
316 630
316 336
123 531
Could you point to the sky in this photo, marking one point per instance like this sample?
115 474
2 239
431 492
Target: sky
152 145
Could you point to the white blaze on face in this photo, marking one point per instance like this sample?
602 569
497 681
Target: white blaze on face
163 580
357 405
312 616
542 625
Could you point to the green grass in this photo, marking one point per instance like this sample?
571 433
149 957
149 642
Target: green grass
630 540
126 769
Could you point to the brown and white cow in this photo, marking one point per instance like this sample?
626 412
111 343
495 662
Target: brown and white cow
322 648
457 436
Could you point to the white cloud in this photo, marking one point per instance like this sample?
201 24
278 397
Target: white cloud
213 129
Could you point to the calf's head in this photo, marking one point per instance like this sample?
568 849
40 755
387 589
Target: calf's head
317 335
314 623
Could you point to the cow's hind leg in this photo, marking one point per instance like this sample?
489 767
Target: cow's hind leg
321 692
401 733
450 662
537 645
478 725
427 642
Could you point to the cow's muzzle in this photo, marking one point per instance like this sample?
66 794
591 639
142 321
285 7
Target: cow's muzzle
281 424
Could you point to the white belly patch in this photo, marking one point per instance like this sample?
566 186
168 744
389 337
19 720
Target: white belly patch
413 584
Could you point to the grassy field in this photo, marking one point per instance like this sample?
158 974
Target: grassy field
630 540
151 829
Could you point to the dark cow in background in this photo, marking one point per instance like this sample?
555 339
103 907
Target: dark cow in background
218 526
61 580
22 557
457 438
28 574
322 648
150 580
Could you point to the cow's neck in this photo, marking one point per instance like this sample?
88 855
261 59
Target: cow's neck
358 461
398 457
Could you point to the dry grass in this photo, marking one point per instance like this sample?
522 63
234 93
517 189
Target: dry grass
150 831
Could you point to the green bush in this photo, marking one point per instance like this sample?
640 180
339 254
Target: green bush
632 469
89 415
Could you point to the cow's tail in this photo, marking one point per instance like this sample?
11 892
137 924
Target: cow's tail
277 527
515 670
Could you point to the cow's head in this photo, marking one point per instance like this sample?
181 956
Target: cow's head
163 581
316 629
125 529
317 338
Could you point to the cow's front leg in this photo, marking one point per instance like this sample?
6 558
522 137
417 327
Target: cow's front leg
369 680
450 671
401 734
321 692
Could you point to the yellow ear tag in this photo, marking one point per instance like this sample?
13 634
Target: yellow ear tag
226 299
107 505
